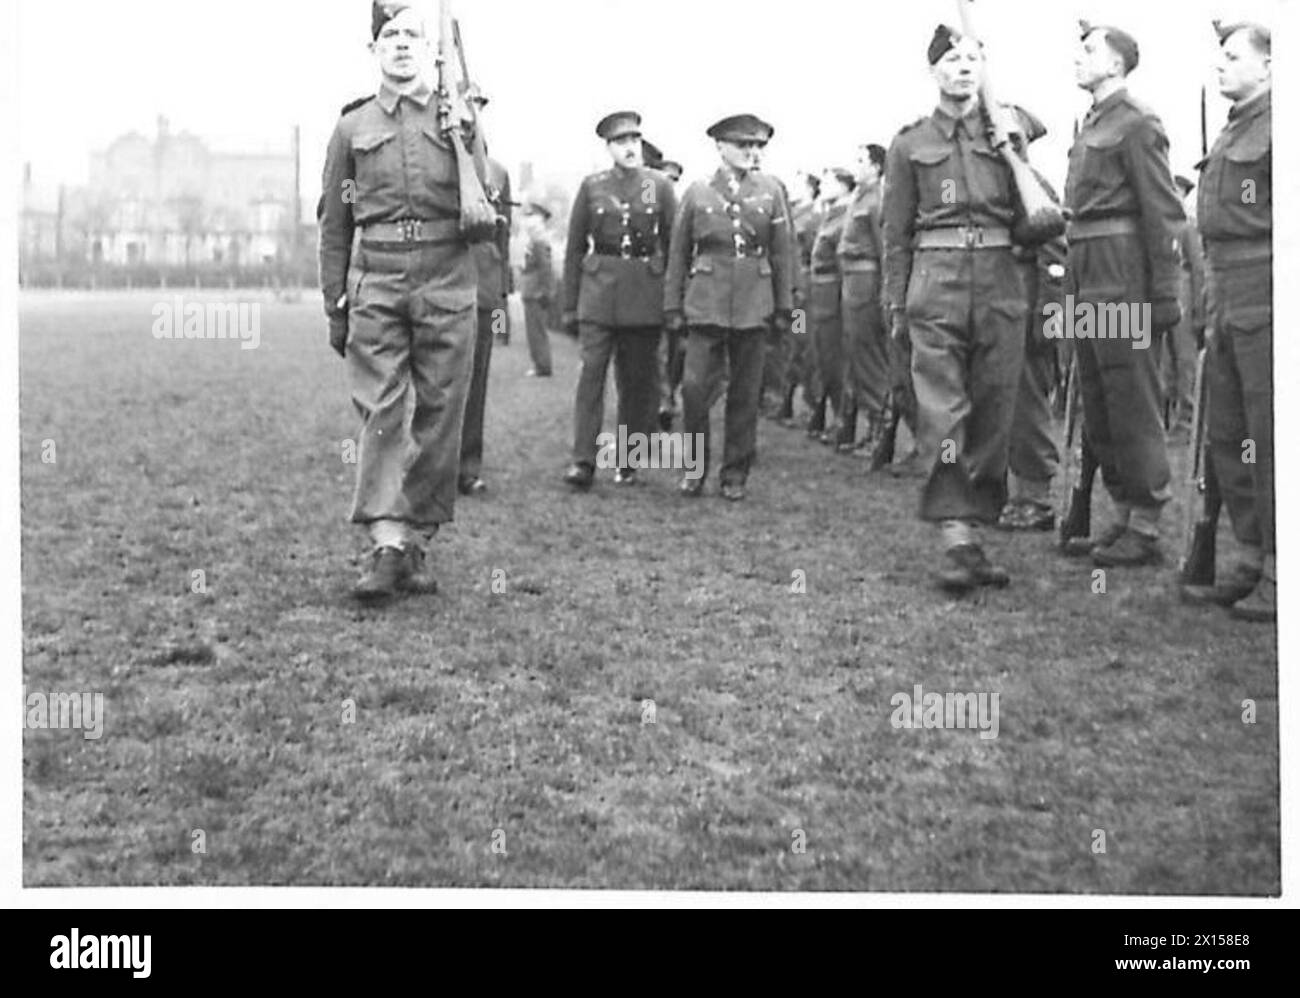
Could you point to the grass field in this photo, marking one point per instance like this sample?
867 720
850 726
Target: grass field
499 738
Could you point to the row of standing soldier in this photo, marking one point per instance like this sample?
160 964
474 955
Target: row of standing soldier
924 282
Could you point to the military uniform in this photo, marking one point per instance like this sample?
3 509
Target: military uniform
537 292
399 288
865 337
619 232
729 275
949 210
392 249
776 356
492 267
1235 215
1178 360
1123 235
805 219
1033 458
826 317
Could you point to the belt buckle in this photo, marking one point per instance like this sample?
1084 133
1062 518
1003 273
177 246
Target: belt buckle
410 229
974 237
741 252
625 247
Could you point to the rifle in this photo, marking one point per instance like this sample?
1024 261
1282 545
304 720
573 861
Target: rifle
1076 524
1043 218
882 452
1197 566
478 217
478 144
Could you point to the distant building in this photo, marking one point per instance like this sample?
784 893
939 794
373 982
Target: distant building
171 200
162 203
39 236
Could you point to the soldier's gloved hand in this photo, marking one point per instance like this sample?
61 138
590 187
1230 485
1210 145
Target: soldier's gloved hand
570 324
1165 314
339 333
898 326
674 321
338 322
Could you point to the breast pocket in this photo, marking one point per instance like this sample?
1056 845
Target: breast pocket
991 175
377 161
1101 166
710 221
645 222
1247 167
936 176
440 165
606 222
758 217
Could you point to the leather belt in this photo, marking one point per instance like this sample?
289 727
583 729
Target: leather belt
962 237
832 278
730 249
859 266
1229 252
1100 228
620 252
429 231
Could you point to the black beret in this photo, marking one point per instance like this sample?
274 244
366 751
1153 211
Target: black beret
383 11
1124 44
843 175
1260 35
741 128
652 154
876 153
944 39
616 125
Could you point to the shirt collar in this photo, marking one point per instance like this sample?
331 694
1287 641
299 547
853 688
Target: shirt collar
389 95
726 180
1106 104
1261 103
946 122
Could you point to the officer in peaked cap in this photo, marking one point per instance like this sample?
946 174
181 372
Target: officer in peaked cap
400 302
619 232
729 278
1126 216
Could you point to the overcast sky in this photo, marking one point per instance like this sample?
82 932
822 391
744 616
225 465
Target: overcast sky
826 73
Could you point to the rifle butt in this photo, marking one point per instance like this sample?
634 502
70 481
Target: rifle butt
1197 568
478 218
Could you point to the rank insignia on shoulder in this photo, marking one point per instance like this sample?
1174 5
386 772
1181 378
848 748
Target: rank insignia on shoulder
351 106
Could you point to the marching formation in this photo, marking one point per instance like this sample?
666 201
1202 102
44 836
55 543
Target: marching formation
939 294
